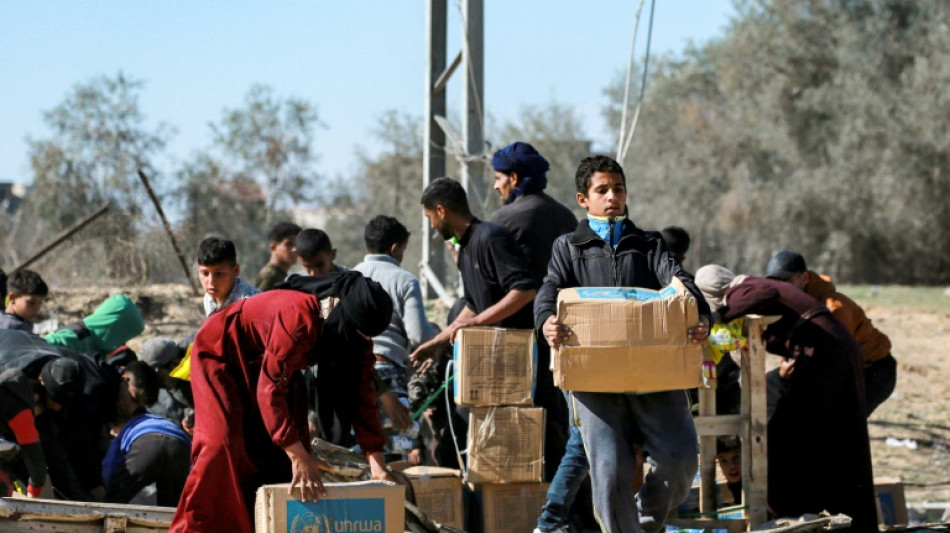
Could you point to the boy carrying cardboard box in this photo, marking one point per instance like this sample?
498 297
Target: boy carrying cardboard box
608 250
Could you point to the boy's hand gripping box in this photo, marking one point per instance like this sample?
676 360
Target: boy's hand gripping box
628 340
364 507
494 366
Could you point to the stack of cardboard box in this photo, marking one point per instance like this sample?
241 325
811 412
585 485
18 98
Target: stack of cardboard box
494 377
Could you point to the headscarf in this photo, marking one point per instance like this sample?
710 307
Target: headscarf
714 281
363 307
531 167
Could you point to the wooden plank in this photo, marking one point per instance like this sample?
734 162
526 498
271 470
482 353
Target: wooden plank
21 514
719 425
734 525
707 449
754 441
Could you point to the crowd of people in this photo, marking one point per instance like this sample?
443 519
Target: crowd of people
316 350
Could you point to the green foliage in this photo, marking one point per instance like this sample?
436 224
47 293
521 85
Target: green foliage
387 183
555 130
270 141
98 139
811 125
231 206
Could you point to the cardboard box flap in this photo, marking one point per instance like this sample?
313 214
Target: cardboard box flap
431 471
627 316
628 369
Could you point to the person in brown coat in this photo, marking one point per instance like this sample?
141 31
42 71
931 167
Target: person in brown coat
880 368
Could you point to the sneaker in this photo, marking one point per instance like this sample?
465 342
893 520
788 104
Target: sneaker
561 529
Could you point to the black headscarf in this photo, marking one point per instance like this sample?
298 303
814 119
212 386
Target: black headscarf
531 166
364 306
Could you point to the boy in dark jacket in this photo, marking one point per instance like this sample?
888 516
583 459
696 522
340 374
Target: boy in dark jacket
607 249
27 293
283 255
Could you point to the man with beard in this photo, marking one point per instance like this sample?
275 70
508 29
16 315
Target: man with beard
498 284
535 220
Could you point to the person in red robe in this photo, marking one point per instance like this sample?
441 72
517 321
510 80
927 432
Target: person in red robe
250 405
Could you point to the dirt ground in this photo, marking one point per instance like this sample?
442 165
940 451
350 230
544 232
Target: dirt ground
916 418
919 409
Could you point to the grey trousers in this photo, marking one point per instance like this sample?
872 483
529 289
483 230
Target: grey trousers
612 425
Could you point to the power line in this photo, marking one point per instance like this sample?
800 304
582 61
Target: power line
643 85
626 85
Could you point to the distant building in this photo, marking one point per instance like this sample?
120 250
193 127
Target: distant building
318 217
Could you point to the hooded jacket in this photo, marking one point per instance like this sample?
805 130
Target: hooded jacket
73 460
111 325
875 345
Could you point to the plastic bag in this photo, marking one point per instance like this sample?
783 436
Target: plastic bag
726 338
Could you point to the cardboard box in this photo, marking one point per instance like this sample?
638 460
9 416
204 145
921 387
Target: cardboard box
891 505
509 508
494 366
628 340
439 494
369 506
505 445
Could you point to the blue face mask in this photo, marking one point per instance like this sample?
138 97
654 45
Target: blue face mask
607 228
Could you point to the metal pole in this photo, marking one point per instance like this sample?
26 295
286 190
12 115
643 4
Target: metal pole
473 103
168 230
433 148
62 237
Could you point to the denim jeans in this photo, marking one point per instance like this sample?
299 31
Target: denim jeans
570 475
397 379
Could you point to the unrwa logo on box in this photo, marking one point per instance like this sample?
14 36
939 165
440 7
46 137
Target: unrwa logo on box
617 293
365 515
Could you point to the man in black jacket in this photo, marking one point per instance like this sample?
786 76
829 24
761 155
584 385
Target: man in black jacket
535 220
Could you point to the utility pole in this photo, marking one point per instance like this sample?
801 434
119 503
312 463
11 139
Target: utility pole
473 104
432 269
